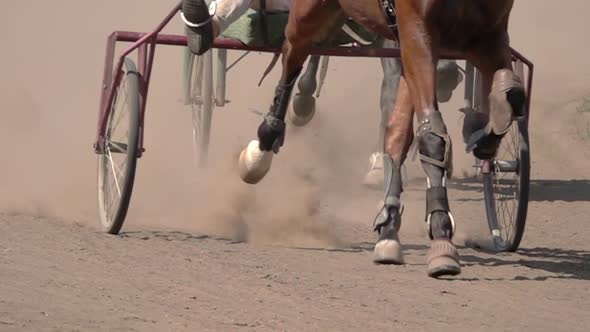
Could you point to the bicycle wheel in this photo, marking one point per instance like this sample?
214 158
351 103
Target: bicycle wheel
116 165
506 181
198 90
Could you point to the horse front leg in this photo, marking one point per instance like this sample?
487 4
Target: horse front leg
502 97
256 159
392 68
397 141
309 21
434 143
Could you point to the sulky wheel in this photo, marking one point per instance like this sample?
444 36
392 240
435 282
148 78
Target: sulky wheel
506 185
198 98
472 101
116 165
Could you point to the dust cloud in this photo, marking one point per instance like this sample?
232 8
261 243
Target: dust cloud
49 95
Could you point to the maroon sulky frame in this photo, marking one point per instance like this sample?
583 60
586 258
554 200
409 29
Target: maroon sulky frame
141 41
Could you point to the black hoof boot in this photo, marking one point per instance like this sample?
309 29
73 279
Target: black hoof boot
483 145
199 30
271 133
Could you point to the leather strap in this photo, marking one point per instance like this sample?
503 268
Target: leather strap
389 10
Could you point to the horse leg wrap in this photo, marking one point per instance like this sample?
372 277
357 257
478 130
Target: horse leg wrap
438 201
435 155
199 29
435 148
271 132
388 221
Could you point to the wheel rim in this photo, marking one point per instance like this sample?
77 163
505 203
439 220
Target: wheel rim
113 162
506 188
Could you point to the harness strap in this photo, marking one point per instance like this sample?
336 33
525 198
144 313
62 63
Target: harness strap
434 124
389 10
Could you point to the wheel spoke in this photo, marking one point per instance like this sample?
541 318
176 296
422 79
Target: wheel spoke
110 157
125 102
507 184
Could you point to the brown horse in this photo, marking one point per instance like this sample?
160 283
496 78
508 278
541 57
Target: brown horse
473 29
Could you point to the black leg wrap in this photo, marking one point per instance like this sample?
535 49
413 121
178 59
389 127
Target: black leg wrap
435 154
388 221
271 132
442 226
434 144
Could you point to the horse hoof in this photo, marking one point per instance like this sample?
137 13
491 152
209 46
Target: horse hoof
388 252
375 177
254 163
472 122
302 111
506 101
443 259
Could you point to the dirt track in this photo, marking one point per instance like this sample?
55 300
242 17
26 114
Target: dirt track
205 252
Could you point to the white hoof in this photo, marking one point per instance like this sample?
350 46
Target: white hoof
374 179
254 163
375 176
388 252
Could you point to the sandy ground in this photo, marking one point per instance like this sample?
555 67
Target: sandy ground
202 251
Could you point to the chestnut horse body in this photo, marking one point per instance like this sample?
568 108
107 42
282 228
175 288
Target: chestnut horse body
473 29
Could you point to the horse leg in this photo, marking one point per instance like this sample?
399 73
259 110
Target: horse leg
309 21
304 102
434 143
502 97
392 68
397 141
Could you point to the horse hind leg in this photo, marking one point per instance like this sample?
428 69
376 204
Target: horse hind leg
503 97
303 108
307 21
397 141
256 159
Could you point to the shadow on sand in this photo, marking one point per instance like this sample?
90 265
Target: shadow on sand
540 190
562 263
